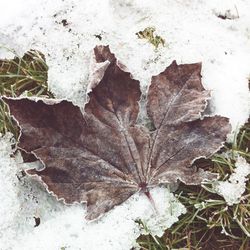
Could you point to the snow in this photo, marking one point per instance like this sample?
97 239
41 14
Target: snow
191 29
193 32
233 188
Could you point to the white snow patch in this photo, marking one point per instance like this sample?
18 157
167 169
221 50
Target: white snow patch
8 194
235 186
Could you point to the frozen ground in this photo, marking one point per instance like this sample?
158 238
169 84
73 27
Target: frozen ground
66 31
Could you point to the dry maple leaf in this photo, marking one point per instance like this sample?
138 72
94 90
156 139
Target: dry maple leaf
99 155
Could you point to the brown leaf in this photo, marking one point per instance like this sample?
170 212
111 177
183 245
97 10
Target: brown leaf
100 155
176 99
176 95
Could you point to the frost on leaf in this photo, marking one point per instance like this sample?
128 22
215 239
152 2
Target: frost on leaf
98 154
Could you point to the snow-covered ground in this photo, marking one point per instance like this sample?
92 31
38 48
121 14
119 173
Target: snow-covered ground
66 32
233 188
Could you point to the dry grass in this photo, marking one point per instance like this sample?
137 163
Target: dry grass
148 34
